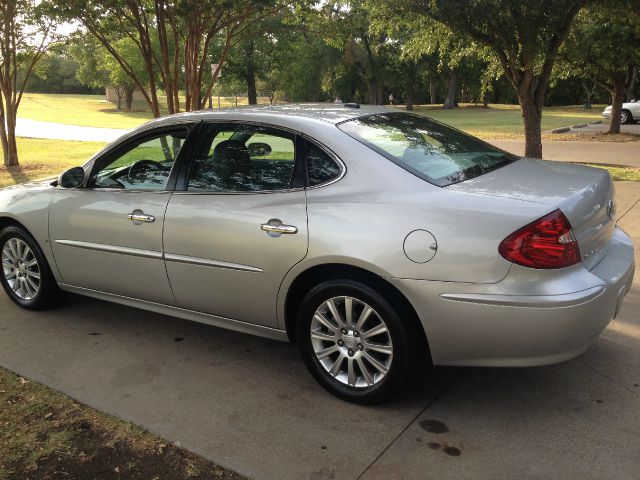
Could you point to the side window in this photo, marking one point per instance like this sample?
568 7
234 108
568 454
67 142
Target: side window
243 159
320 166
145 166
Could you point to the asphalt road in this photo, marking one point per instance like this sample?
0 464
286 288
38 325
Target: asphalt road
249 404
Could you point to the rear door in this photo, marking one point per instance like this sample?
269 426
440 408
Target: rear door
239 224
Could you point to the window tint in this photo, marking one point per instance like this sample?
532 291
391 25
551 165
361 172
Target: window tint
320 166
434 152
243 159
145 166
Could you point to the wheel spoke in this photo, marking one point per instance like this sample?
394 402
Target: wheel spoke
31 284
35 275
382 328
364 315
12 247
334 311
26 252
335 368
351 372
19 248
317 335
325 352
375 363
7 263
376 347
10 275
31 263
365 372
16 285
325 321
348 311
26 287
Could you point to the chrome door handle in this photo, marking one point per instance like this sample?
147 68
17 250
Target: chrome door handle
138 217
286 229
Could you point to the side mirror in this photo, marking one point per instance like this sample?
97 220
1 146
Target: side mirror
259 149
72 178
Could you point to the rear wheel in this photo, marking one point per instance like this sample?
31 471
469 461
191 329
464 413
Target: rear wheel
353 341
26 276
625 116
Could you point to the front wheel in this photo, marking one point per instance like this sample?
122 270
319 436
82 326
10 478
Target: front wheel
353 341
26 276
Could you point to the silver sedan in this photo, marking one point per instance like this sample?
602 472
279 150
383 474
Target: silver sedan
377 240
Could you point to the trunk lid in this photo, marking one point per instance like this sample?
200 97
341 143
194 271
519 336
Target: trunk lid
584 194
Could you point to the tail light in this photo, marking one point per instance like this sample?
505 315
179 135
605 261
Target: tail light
546 243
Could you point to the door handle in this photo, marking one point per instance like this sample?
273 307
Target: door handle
138 217
286 229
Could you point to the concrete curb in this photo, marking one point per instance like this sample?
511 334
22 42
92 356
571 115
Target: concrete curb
561 130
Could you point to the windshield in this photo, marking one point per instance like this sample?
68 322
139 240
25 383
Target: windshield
430 150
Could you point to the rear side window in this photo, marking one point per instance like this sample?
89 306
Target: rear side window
430 150
321 168
243 159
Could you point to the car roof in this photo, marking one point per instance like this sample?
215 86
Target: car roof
331 113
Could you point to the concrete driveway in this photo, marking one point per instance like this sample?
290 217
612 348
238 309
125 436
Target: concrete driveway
249 404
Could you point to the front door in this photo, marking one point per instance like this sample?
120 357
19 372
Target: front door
108 236
239 225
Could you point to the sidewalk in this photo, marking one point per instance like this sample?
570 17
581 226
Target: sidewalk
58 131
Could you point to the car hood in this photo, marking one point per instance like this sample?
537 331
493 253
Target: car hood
33 184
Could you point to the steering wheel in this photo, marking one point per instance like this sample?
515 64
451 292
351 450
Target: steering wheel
140 166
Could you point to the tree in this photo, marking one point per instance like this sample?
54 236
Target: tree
611 29
25 35
524 35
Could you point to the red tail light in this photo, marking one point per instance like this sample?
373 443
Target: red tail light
545 243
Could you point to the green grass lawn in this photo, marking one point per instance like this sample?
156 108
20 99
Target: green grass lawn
91 110
504 121
43 158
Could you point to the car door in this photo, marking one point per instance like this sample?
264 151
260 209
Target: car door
239 224
107 236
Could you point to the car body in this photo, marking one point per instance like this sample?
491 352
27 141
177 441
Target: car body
353 216
630 111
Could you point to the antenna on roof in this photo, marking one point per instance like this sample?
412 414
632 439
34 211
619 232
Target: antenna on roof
352 105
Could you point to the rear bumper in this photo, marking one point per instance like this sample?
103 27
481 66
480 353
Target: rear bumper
530 318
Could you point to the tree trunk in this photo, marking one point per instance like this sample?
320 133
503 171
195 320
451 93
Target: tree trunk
128 99
9 146
411 81
532 118
119 108
619 96
250 77
450 100
432 92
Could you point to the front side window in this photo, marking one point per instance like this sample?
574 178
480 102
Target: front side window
144 166
430 150
243 159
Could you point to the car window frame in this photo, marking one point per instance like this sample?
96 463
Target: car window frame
343 168
299 180
132 142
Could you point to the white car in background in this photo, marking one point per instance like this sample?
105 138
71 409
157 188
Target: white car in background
630 112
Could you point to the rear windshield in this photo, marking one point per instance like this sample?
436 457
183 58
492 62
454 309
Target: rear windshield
431 150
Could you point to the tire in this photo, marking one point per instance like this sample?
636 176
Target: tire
333 349
22 263
626 117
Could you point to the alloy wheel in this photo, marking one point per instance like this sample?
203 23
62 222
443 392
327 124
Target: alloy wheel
351 342
20 268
